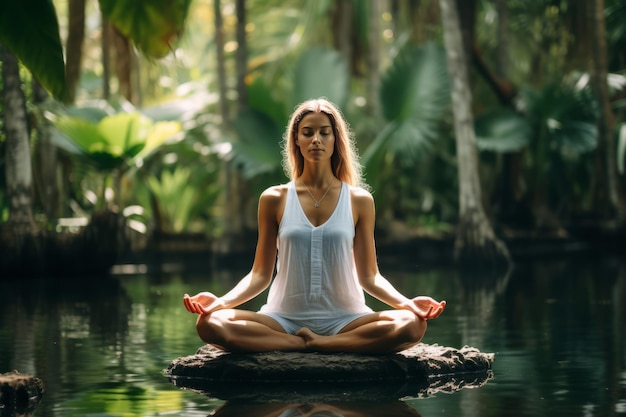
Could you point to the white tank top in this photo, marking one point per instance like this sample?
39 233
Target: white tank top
315 272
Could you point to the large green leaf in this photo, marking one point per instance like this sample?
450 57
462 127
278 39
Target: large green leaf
377 152
152 25
258 148
321 72
414 97
415 86
563 119
502 130
30 30
261 97
114 140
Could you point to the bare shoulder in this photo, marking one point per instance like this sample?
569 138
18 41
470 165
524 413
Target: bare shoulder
274 193
272 201
361 196
362 204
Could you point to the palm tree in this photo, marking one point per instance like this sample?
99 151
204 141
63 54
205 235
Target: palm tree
475 237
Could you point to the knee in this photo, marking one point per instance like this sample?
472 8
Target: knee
413 327
210 327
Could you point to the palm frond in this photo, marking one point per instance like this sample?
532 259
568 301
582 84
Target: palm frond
321 72
502 130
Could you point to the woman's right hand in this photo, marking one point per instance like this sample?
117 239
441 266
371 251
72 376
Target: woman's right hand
202 303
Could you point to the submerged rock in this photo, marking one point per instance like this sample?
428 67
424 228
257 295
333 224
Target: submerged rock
416 372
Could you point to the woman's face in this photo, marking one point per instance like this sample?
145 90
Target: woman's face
316 137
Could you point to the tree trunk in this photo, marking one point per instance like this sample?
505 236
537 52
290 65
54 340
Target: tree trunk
221 61
74 47
106 58
19 236
242 56
19 175
49 178
342 30
373 60
475 239
508 194
232 201
123 64
466 12
608 199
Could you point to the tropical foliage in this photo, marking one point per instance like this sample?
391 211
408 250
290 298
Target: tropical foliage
294 52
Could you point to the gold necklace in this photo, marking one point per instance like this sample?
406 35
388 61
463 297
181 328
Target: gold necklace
318 202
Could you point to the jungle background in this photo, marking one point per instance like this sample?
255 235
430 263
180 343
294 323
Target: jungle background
135 129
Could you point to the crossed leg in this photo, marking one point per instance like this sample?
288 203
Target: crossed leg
381 332
247 331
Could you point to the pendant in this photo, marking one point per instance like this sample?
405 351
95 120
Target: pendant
317 205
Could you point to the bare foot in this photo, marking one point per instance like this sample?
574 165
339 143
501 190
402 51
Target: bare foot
309 337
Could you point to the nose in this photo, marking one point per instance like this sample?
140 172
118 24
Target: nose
316 138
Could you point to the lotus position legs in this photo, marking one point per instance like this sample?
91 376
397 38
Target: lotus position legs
247 331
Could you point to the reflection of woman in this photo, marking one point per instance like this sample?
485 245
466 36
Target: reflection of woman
318 230
391 409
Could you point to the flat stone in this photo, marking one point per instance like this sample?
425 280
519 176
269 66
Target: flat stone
422 370
19 393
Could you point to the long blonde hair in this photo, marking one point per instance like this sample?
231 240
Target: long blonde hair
345 160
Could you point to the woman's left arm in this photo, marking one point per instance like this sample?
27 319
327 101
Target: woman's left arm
366 262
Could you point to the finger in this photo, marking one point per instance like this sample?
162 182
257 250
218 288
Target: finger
197 308
438 311
426 315
187 302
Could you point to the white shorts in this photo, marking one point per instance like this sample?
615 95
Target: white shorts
323 327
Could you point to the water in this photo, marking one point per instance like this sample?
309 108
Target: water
557 328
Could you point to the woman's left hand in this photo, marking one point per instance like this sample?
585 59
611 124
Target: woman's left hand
427 307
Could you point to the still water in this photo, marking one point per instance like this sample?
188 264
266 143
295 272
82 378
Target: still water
557 328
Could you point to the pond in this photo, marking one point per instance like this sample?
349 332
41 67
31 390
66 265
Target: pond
556 326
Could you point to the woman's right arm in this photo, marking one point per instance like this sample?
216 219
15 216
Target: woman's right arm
262 270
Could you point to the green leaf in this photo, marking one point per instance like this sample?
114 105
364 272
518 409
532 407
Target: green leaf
375 154
176 197
151 25
159 134
415 86
115 139
502 130
83 133
123 131
261 98
258 148
321 72
30 30
414 97
563 119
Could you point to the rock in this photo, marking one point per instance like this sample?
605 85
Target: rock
19 393
260 377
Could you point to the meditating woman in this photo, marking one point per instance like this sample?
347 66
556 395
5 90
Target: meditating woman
318 231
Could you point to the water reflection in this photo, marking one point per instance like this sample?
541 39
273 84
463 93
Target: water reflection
333 391
349 409
100 344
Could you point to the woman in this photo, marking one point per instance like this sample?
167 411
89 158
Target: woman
318 230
